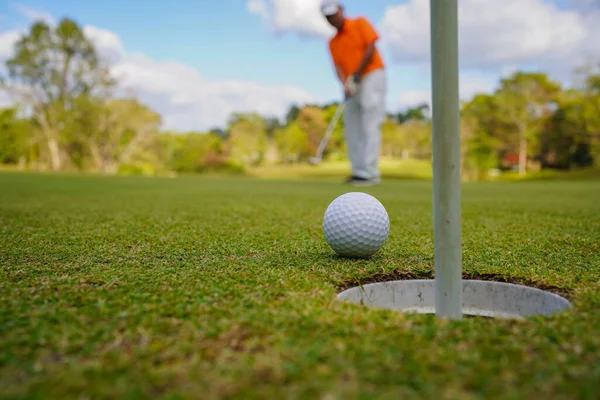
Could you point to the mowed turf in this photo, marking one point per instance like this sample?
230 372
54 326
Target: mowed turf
213 288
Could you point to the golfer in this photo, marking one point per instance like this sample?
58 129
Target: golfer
361 71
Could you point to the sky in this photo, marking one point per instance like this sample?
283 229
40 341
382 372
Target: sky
197 62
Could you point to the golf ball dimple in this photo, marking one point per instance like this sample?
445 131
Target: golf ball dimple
356 224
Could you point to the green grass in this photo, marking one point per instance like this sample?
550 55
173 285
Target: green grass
390 169
213 288
407 169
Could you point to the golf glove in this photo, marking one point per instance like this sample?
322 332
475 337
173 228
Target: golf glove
352 84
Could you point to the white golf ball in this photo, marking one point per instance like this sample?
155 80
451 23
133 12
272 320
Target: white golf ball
356 225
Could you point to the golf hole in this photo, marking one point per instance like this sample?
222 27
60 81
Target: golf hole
481 298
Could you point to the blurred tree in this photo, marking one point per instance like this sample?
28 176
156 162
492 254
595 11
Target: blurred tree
337 143
525 101
50 68
591 110
114 133
291 142
272 124
14 137
393 142
247 138
197 152
418 113
222 133
292 114
572 135
416 136
311 119
485 134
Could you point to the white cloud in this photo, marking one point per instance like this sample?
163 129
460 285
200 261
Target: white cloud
35 15
189 101
7 43
300 16
410 98
470 84
494 34
108 44
185 99
259 7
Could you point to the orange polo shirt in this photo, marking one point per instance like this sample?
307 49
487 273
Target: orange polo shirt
348 46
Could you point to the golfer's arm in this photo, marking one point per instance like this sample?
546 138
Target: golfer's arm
340 73
366 58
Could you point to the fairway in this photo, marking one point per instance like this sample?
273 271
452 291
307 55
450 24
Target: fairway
216 287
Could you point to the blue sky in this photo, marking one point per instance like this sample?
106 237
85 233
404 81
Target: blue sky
220 38
223 41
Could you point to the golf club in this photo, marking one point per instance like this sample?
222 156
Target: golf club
317 159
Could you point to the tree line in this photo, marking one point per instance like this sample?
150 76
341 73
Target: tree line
67 115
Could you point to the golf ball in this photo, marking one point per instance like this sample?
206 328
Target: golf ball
356 225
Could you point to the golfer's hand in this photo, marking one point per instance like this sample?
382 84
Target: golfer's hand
350 87
347 92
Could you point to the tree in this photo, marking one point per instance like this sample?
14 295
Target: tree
525 100
591 110
14 137
393 142
311 120
222 133
291 142
50 69
564 137
337 142
115 132
271 126
485 134
300 138
416 136
292 114
247 138
196 152
418 113
572 135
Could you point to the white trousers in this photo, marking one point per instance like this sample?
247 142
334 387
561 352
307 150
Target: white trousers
364 114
